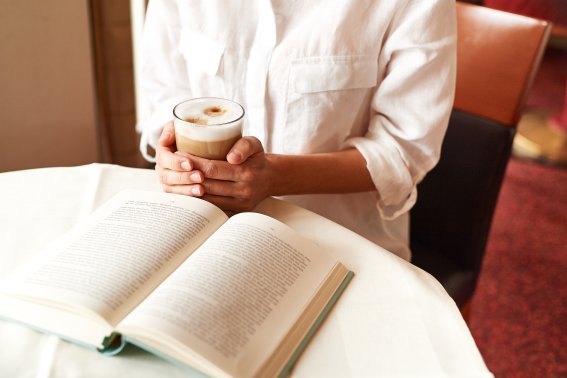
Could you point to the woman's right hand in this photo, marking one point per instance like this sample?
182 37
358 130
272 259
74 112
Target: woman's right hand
175 171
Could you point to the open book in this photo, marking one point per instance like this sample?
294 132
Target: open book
174 275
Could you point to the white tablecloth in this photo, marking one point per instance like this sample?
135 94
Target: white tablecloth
393 319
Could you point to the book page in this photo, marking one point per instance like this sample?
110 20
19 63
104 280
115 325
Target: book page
235 298
117 256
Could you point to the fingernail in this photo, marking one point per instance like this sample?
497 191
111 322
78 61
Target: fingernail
185 165
196 190
234 156
195 177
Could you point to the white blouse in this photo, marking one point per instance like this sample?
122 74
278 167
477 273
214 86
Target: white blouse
317 76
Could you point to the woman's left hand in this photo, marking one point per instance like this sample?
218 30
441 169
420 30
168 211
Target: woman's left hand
241 182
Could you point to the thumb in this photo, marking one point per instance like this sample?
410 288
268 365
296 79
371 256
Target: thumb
167 137
243 149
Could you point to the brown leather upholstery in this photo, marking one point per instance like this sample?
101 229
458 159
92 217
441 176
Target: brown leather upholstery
496 55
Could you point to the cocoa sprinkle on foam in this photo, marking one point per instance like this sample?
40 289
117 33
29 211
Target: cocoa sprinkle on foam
214 111
198 121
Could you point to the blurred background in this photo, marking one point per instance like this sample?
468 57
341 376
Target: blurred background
68 97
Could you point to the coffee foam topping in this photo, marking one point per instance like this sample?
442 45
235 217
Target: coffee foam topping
209 111
209 119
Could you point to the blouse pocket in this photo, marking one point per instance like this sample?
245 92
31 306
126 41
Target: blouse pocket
333 73
202 54
326 96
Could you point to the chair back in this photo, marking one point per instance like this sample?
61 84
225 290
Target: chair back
498 54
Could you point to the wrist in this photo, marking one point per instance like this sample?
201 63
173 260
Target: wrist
278 181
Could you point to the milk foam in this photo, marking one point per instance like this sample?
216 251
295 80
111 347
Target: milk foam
219 127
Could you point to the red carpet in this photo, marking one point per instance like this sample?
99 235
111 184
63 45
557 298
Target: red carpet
519 312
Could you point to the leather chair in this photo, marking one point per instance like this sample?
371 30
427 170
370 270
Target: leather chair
498 54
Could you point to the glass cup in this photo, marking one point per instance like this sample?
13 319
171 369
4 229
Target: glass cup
207 126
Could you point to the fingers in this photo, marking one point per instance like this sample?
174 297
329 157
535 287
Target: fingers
217 169
227 189
165 152
175 169
243 149
166 155
167 137
171 177
181 182
195 190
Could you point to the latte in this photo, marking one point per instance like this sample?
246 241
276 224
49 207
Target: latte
208 127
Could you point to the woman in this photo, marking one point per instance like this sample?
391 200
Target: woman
347 102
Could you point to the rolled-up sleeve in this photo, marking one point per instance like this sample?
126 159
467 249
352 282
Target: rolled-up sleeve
412 103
